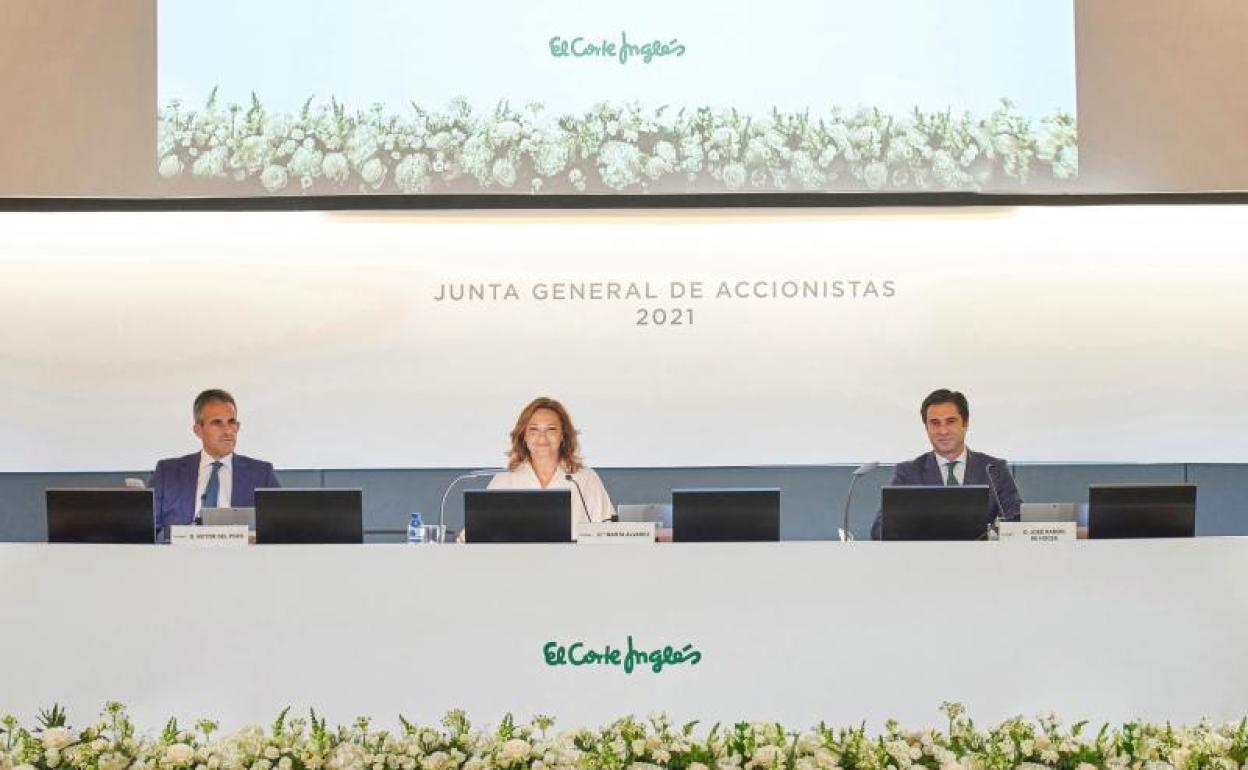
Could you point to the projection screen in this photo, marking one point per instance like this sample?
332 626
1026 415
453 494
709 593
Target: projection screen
562 96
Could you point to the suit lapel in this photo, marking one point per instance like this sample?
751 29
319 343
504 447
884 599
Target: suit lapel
189 481
976 471
931 471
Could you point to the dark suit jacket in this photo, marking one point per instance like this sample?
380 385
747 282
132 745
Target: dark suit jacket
925 471
175 480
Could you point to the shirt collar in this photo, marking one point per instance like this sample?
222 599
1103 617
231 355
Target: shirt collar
961 459
206 460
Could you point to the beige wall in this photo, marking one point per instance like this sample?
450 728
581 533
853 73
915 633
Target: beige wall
78 96
1162 102
1162 96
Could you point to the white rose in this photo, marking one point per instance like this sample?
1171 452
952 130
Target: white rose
504 172
373 172
179 754
734 176
514 750
876 175
656 167
767 756
336 167
504 132
274 178
52 757
170 166
211 163
57 737
113 761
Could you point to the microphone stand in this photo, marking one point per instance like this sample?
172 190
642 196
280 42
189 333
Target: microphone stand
585 505
456 480
994 527
862 470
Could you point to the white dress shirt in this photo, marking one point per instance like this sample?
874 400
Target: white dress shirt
225 479
959 470
596 497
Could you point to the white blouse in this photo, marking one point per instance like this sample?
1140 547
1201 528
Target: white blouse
596 497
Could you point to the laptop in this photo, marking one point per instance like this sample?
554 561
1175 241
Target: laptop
309 516
725 515
518 516
659 513
114 516
1117 511
219 517
934 513
1048 512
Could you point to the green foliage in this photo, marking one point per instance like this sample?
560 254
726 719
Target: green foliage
325 147
629 743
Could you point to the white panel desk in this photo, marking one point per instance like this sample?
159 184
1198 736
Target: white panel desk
797 632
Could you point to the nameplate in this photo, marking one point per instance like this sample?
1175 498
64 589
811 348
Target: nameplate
615 532
222 535
1037 531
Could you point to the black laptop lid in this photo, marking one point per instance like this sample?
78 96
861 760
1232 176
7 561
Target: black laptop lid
309 516
1118 511
518 516
934 513
101 516
725 515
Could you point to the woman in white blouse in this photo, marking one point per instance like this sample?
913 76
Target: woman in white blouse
544 454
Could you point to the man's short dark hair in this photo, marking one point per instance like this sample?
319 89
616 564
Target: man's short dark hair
211 396
946 396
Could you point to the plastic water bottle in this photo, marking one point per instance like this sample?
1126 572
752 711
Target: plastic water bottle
415 529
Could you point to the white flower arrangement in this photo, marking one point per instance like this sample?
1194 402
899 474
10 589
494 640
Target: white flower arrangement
112 743
622 149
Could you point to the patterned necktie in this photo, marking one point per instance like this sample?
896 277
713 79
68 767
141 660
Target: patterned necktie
952 480
212 492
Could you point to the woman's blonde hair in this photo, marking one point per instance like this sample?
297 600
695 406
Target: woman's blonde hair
569 447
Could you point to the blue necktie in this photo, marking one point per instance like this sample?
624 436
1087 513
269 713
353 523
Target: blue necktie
212 492
950 481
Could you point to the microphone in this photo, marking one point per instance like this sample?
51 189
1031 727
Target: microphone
461 477
585 505
994 526
862 470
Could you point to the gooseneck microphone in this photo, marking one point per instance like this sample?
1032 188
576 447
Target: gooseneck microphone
456 480
585 505
862 470
995 524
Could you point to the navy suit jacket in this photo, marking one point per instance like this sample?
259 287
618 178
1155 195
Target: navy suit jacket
175 481
925 471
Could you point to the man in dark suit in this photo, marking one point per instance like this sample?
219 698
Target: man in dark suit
946 416
213 477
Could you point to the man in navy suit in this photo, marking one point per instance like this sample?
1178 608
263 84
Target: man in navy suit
947 415
214 477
